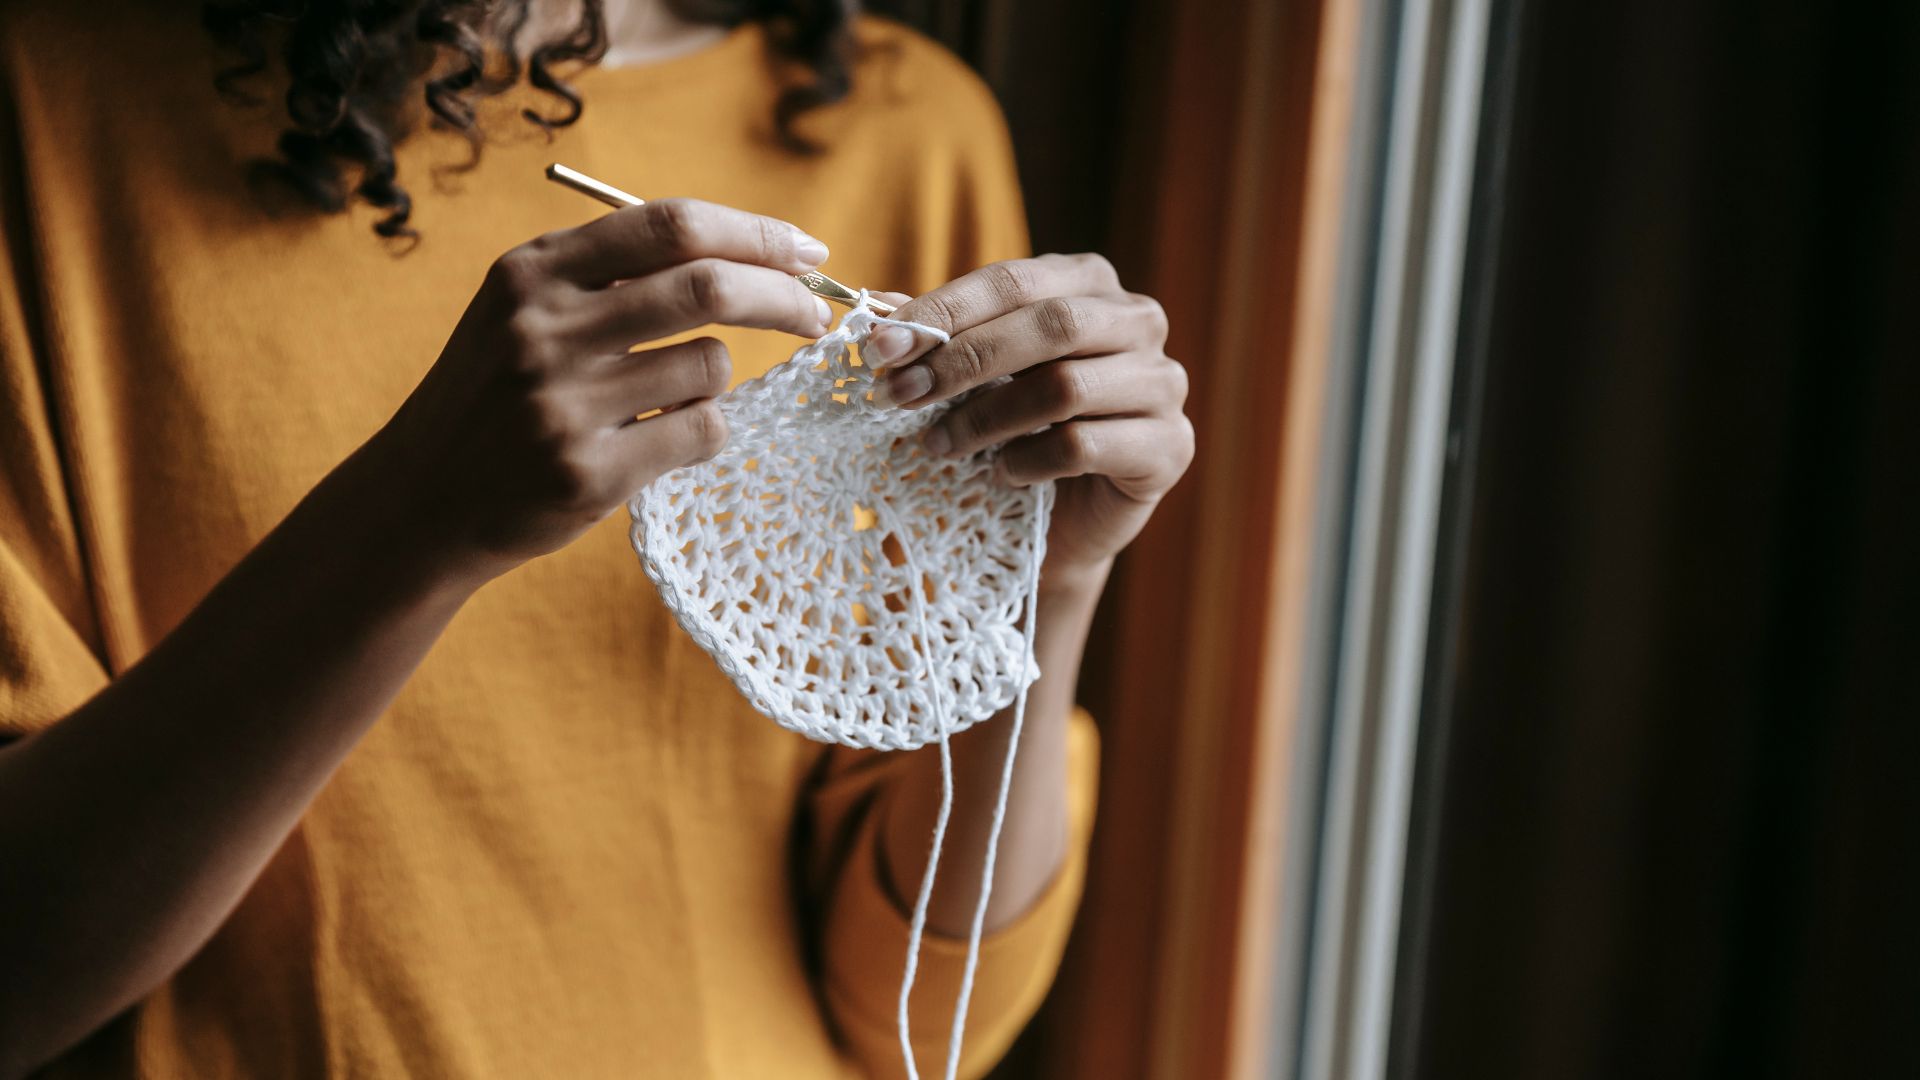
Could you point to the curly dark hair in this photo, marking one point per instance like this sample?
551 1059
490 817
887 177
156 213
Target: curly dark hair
354 66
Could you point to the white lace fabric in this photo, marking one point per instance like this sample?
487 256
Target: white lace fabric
856 589
798 555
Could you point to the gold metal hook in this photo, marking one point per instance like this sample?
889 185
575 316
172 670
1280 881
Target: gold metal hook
816 282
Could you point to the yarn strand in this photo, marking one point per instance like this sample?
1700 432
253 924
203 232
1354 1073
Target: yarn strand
916 928
919 924
1042 513
956 1038
770 594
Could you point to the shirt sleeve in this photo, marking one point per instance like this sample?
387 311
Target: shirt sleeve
49 659
863 947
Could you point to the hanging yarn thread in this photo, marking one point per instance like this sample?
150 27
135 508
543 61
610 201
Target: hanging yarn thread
801 558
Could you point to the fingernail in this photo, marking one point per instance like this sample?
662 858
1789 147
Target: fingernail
904 386
936 441
826 313
808 250
889 345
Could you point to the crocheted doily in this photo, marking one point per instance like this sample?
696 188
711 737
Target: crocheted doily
856 590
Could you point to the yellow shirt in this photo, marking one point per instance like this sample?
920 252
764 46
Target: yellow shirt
570 849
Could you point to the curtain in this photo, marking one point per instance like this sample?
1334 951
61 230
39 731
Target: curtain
1674 810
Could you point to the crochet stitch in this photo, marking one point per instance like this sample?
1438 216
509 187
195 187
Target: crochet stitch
785 557
856 589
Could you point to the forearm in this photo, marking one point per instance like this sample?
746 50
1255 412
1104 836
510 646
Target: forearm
130 829
1033 840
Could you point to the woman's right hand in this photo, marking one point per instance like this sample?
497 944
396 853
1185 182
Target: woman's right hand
524 433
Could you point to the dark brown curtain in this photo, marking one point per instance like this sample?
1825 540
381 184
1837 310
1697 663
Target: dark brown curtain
1673 787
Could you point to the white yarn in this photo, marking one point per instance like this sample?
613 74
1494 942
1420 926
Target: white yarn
760 555
797 558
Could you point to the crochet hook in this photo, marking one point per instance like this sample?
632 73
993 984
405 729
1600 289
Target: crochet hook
816 282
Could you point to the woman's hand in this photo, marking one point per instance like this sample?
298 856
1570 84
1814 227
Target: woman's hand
181 779
524 433
1088 363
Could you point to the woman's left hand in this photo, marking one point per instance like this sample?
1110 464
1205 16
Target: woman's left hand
1088 363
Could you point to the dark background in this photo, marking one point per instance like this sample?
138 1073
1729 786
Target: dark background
1669 810
1666 820
1064 71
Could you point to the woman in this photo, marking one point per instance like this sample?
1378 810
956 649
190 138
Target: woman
254 498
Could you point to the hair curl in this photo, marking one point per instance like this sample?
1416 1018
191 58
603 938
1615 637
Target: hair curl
354 66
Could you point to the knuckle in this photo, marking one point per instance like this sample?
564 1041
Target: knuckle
1100 269
1012 282
516 275
1078 446
529 337
1153 315
1178 382
1068 388
551 422
714 364
806 309
541 249
565 474
1060 321
672 225
576 483
776 240
941 311
705 291
706 428
968 362
967 426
